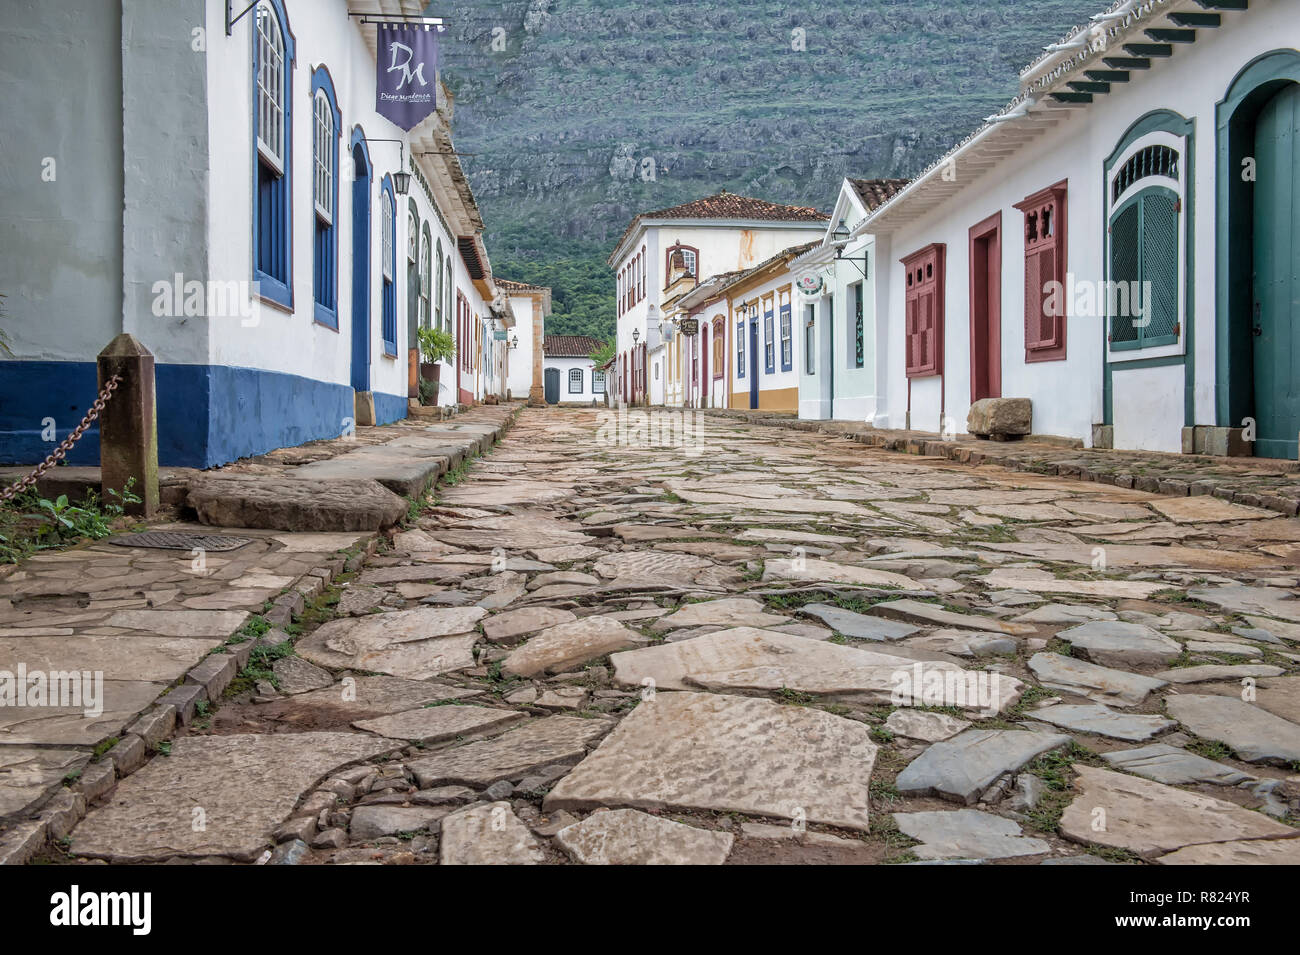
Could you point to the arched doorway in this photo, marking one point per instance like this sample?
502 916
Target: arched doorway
1258 354
361 176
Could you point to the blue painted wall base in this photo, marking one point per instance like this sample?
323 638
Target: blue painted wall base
207 414
389 408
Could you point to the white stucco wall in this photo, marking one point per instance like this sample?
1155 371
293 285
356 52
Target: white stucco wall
294 342
520 378
564 366
61 238
1067 394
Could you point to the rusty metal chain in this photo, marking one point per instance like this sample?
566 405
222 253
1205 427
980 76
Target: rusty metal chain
61 451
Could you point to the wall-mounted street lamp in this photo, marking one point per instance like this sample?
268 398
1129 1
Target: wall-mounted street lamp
514 342
841 238
401 178
636 335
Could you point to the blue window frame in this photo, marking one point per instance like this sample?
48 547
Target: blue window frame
388 264
327 123
272 109
740 348
787 341
769 344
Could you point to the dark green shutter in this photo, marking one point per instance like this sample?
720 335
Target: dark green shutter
1125 268
1144 250
1160 266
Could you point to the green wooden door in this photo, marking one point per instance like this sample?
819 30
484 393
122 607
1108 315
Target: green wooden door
1276 318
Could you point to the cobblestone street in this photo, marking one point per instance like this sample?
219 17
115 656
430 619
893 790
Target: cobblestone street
763 645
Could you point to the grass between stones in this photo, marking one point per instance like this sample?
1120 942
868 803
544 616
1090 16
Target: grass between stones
1054 769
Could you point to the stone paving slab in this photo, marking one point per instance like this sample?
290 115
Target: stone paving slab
555 739
1254 734
415 644
629 837
747 658
29 774
489 834
435 724
76 725
728 754
966 834
962 767
1151 819
244 786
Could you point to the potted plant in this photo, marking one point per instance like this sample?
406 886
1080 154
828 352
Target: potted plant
435 346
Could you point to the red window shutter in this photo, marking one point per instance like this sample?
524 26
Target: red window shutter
910 334
1046 303
923 296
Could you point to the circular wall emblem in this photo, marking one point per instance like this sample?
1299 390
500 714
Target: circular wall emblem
810 283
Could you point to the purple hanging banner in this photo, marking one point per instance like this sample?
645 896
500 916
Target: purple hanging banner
407 73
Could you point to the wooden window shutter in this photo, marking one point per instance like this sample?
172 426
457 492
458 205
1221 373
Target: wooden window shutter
1046 305
923 296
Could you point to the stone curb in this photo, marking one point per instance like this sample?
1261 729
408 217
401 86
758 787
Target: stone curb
23 839
965 453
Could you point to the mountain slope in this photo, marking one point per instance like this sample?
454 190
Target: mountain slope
581 113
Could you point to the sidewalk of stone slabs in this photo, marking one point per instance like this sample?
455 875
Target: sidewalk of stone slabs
339 484
1254 482
165 632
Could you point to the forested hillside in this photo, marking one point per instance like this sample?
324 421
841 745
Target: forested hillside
577 114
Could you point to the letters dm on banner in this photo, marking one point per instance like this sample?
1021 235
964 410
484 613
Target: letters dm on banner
407 81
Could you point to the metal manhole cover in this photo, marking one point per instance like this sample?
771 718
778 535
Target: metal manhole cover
167 540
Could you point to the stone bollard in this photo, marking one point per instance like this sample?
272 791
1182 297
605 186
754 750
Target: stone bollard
128 425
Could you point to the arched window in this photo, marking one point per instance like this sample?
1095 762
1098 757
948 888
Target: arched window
426 279
438 311
575 381
388 244
641 287
414 317
326 124
273 47
597 381
1145 255
450 285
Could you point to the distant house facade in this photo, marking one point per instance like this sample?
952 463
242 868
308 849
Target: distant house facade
243 210
530 304
842 374
1119 244
663 254
570 373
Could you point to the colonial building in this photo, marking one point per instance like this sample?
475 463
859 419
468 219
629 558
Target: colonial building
570 373
742 347
224 186
1119 244
841 375
665 252
530 304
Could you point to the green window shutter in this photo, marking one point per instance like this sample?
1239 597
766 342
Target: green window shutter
1125 267
1160 266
